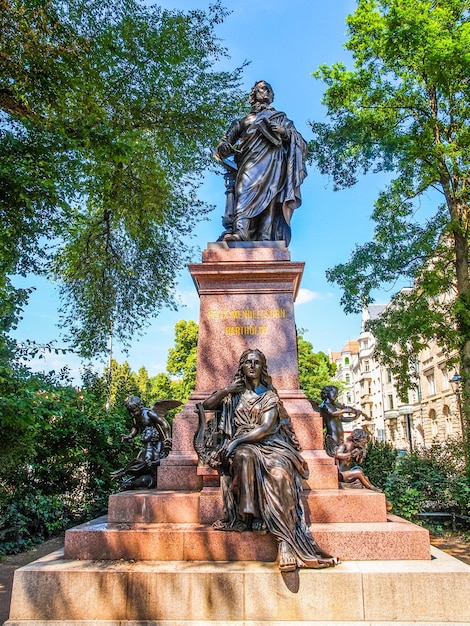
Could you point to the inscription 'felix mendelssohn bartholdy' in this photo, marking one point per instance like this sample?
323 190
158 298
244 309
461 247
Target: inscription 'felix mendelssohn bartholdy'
235 314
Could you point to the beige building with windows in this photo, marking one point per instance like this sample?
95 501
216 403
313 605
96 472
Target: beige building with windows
432 412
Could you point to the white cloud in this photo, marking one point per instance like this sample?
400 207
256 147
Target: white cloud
306 295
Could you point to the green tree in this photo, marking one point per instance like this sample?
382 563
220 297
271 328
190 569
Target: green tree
182 359
144 385
58 446
162 388
122 381
108 112
315 370
405 109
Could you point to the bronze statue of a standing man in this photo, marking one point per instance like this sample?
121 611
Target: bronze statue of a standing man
269 159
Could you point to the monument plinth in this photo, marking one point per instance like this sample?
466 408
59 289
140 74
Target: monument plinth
247 293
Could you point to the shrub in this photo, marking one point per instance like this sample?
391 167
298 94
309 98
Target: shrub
379 462
429 479
406 500
55 465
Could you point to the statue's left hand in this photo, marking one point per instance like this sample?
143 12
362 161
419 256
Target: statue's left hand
228 450
279 130
224 149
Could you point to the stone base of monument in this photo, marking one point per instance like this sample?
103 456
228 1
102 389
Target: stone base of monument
151 562
172 539
55 591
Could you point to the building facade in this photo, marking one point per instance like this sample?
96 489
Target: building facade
432 411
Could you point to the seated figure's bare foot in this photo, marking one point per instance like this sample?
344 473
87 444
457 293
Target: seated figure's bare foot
287 559
259 526
237 526
322 560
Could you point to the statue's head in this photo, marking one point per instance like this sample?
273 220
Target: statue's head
261 92
133 403
265 379
359 436
329 391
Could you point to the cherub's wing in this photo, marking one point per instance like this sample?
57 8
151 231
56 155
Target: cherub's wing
161 407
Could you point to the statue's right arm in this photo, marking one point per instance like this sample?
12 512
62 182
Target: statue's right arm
226 144
133 433
214 400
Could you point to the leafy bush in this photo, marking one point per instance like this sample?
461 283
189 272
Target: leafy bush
438 473
406 500
379 462
429 479
55 460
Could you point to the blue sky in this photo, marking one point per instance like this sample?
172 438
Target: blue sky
285 42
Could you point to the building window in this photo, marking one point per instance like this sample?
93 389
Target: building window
448 421
431 385
390 401
434 424
445 379
367 366
348 378
389 376
348 397
346 360
449 426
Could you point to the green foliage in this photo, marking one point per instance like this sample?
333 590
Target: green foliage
379 463
427 480
57 449
162 387
182 359
123 382
406 500
404 109
108 115
315 370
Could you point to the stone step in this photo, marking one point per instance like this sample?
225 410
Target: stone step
57 592
155 507
101 540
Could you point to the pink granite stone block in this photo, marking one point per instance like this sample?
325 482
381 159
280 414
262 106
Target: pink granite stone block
245 252
374 541
163 542
212 545
179 478
184 428
246 303
152 507
343 506
210 505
